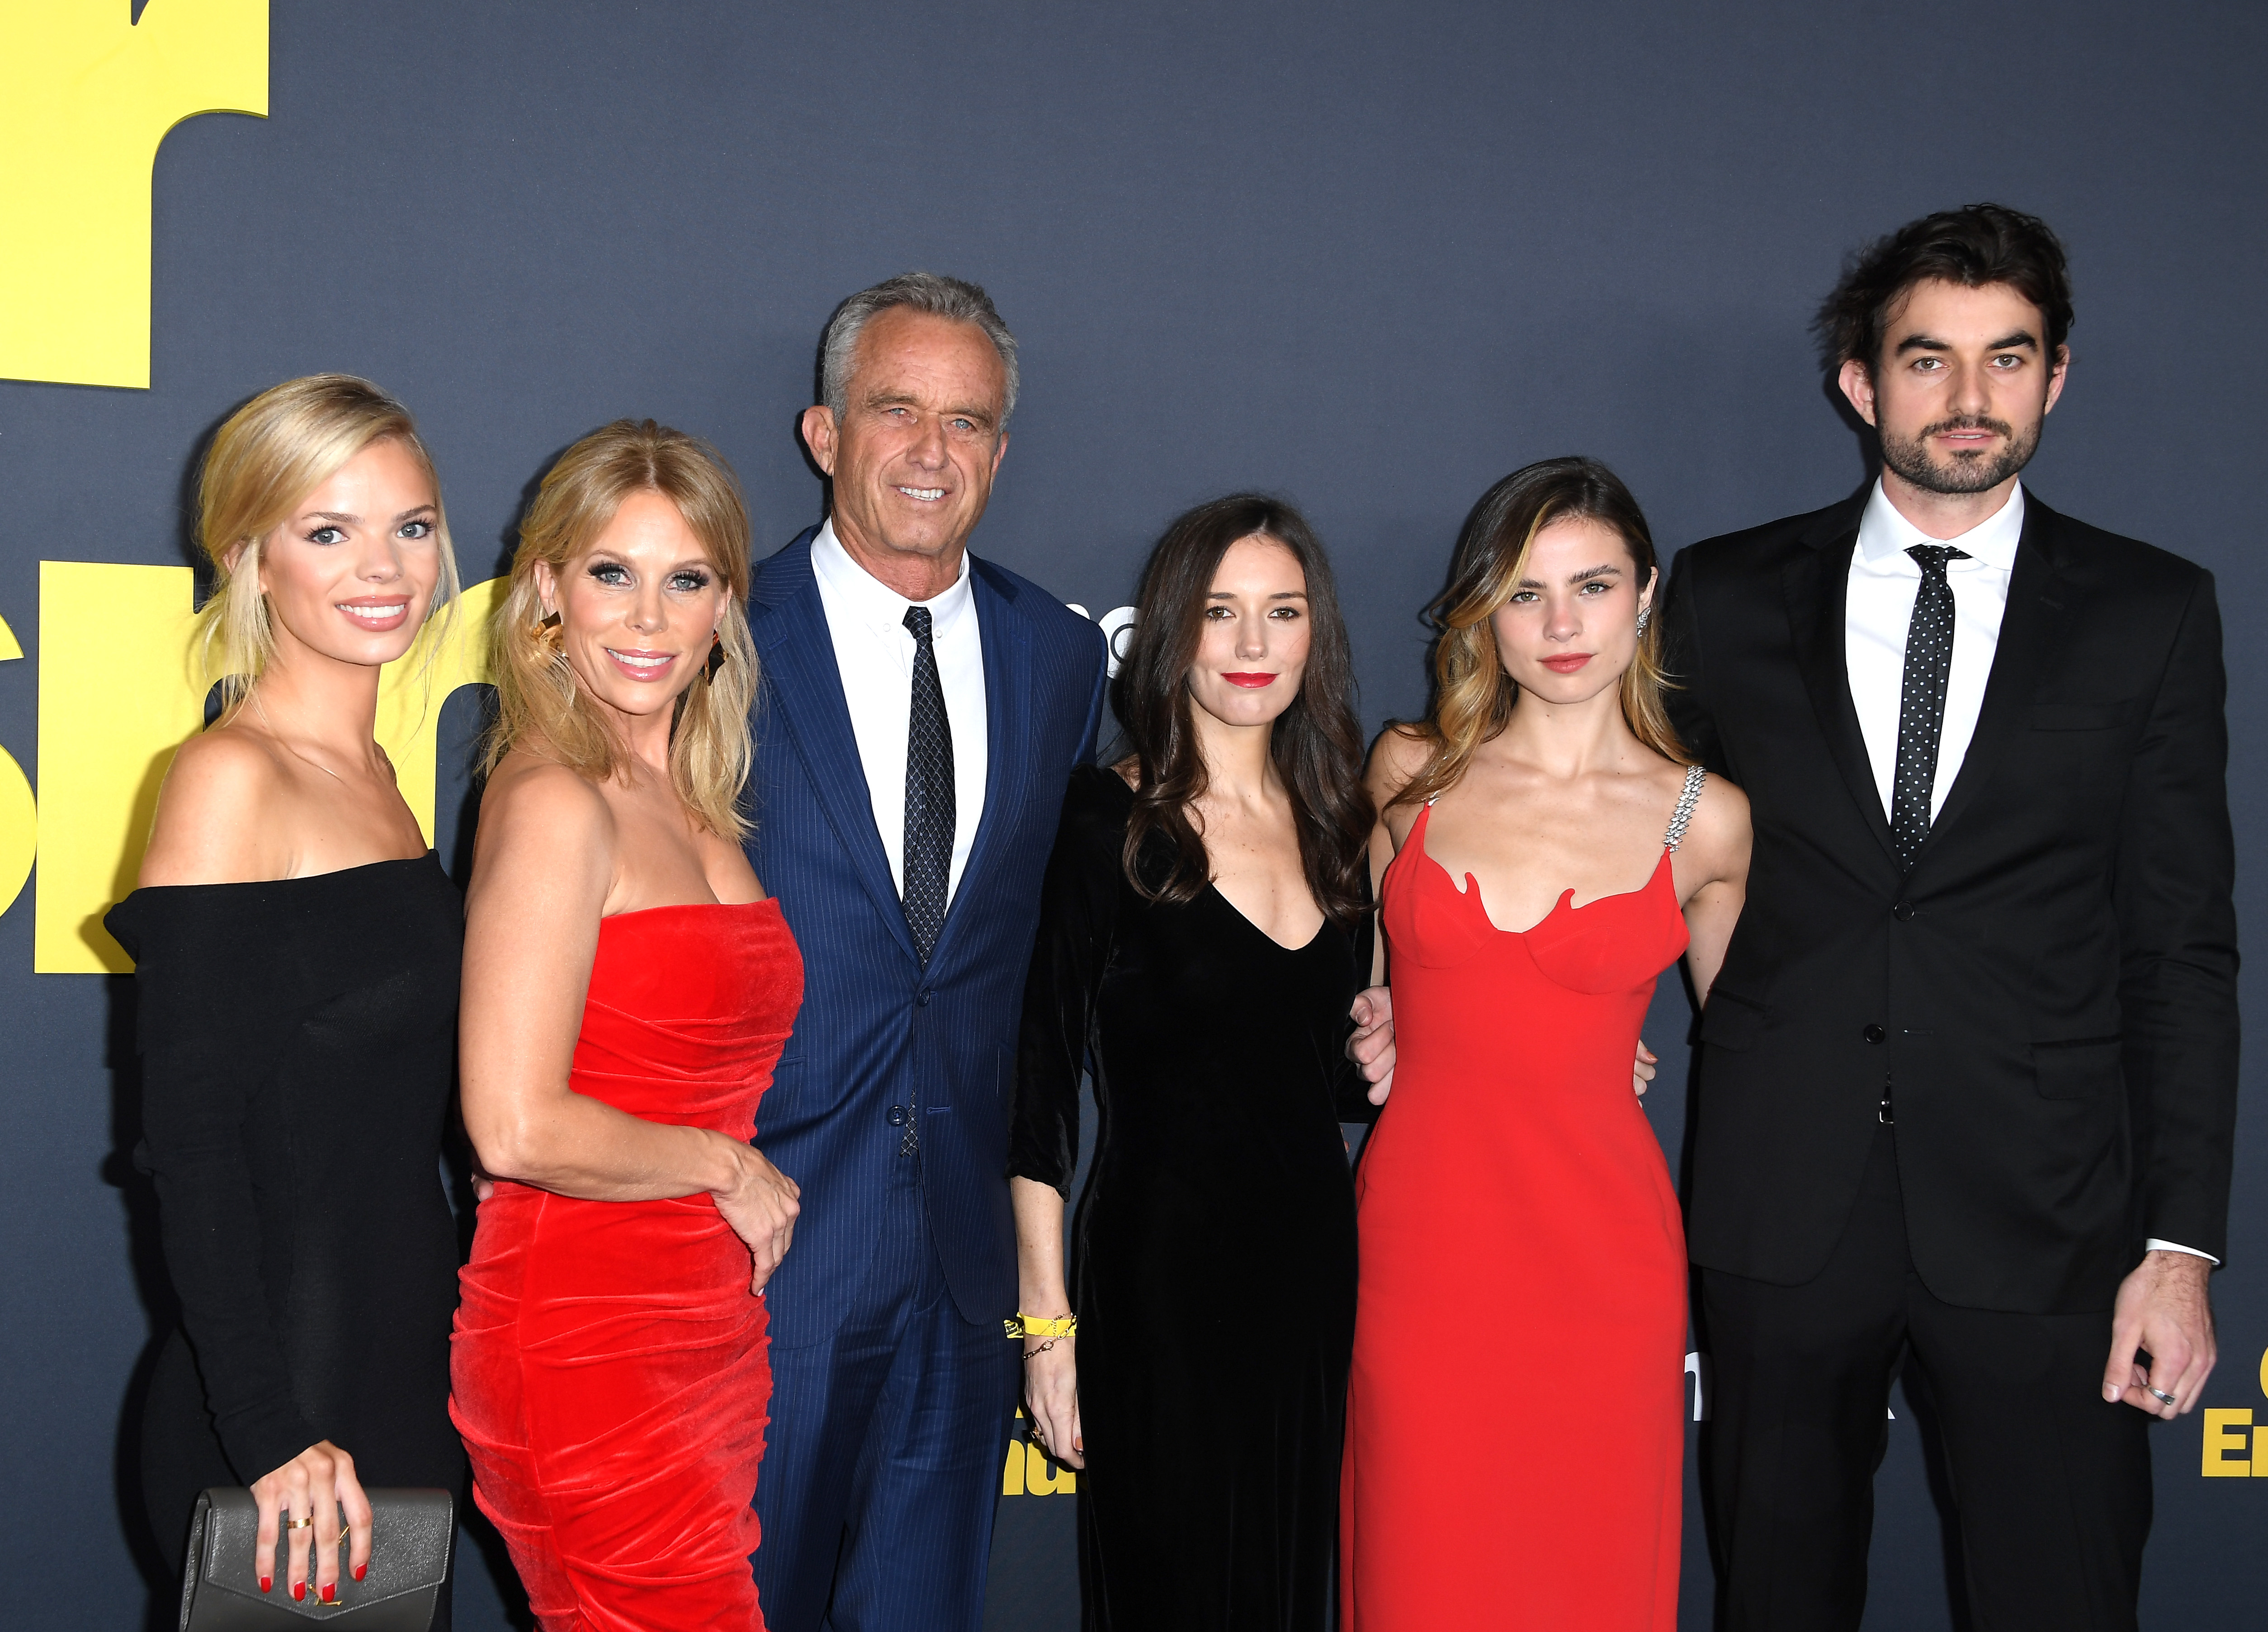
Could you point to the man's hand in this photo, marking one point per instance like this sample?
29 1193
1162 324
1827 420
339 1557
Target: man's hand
1372 1046
1642 1069
2165 1312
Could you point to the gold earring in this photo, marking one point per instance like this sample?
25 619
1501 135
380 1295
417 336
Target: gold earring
548 636
716 657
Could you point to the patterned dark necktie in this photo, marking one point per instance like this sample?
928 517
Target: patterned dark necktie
1921 701
929 794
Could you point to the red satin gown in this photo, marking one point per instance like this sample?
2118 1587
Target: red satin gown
609 1370
1516 1432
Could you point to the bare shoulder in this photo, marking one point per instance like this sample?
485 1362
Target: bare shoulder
535 801
210 826
1718 835
1400 753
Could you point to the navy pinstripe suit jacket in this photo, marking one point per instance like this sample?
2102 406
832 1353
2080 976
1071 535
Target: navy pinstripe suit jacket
877 1029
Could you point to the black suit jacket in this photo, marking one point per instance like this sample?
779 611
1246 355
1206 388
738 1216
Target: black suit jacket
2052 991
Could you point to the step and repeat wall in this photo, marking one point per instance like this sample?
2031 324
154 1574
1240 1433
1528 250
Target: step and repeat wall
1368 256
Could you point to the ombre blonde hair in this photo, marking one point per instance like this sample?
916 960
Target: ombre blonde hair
1473 697
270 454
540 708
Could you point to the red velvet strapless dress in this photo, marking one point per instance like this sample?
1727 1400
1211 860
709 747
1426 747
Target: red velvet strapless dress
1514 1418
609 1372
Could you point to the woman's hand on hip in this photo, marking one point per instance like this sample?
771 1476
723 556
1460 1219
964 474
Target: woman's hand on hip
302 1500
761 1205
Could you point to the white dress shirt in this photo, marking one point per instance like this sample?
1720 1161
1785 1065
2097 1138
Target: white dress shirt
874 652
1884 581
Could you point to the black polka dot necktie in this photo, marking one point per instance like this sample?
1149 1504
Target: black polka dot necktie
1921 701
929 794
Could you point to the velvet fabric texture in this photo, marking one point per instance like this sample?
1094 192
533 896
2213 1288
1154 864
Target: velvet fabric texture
299 1043
1515 1420
1213 1251
610 1370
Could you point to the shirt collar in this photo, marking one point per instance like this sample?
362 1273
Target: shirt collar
874 602
1884 535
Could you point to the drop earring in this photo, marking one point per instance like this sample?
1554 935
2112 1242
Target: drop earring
1644 617
716 657
548 636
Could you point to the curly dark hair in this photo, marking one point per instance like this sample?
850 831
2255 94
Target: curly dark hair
1974 246
1317 741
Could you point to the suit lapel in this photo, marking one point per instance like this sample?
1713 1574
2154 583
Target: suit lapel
803 689
1007 746
2027 636
1817 583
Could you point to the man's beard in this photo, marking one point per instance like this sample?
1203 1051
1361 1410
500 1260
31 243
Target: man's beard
1964 473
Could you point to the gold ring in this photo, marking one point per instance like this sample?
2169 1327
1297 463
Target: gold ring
291 1523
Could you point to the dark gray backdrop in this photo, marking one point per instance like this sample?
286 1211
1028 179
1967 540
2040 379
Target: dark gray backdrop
1370 257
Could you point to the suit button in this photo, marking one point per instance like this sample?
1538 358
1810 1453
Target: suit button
1873 1033
923 996
897 1116
1902 912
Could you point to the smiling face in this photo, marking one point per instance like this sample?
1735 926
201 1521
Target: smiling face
1252 650
913 456
352 575
1961 387
1571 627
637 608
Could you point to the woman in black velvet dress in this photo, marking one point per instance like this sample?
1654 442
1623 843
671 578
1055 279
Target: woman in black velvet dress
1202 950
298 948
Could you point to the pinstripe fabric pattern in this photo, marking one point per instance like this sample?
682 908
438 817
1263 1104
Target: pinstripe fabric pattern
876 1029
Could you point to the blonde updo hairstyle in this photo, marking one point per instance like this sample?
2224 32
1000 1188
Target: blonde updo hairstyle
272 452
540 708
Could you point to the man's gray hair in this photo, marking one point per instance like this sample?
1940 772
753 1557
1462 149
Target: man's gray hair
951 298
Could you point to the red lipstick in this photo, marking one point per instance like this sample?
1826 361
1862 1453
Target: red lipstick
1567 665
1251 680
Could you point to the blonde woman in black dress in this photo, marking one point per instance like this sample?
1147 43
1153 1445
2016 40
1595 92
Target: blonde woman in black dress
298 948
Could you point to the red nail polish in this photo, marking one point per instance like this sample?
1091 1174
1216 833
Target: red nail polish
298 1591
360 1570
330 1595
265 1583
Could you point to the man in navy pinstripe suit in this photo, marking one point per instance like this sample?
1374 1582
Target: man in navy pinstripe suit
920 713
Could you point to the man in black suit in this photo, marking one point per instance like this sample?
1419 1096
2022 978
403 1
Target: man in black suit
1968 1079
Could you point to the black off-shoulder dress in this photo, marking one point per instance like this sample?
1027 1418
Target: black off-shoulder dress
1214 1252
298 1053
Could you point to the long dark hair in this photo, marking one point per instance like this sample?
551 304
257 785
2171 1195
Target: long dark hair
1316 743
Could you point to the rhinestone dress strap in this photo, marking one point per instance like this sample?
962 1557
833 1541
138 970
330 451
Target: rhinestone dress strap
1678 818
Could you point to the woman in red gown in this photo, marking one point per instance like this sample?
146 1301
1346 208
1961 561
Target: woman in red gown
627 988
1515 1433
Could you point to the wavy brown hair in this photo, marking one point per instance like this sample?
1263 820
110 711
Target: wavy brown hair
1473 697
1316 742
539 705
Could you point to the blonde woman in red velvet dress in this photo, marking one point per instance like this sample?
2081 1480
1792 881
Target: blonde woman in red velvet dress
1515 1412
627 991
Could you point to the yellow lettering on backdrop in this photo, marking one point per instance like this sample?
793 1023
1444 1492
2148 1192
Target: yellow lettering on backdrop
118 694
86 95
117 698
19 818
2224 1432
1044 1477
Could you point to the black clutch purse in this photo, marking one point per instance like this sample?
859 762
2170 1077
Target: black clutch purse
411 1534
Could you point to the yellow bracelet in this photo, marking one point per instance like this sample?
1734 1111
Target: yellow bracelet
1029 1326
